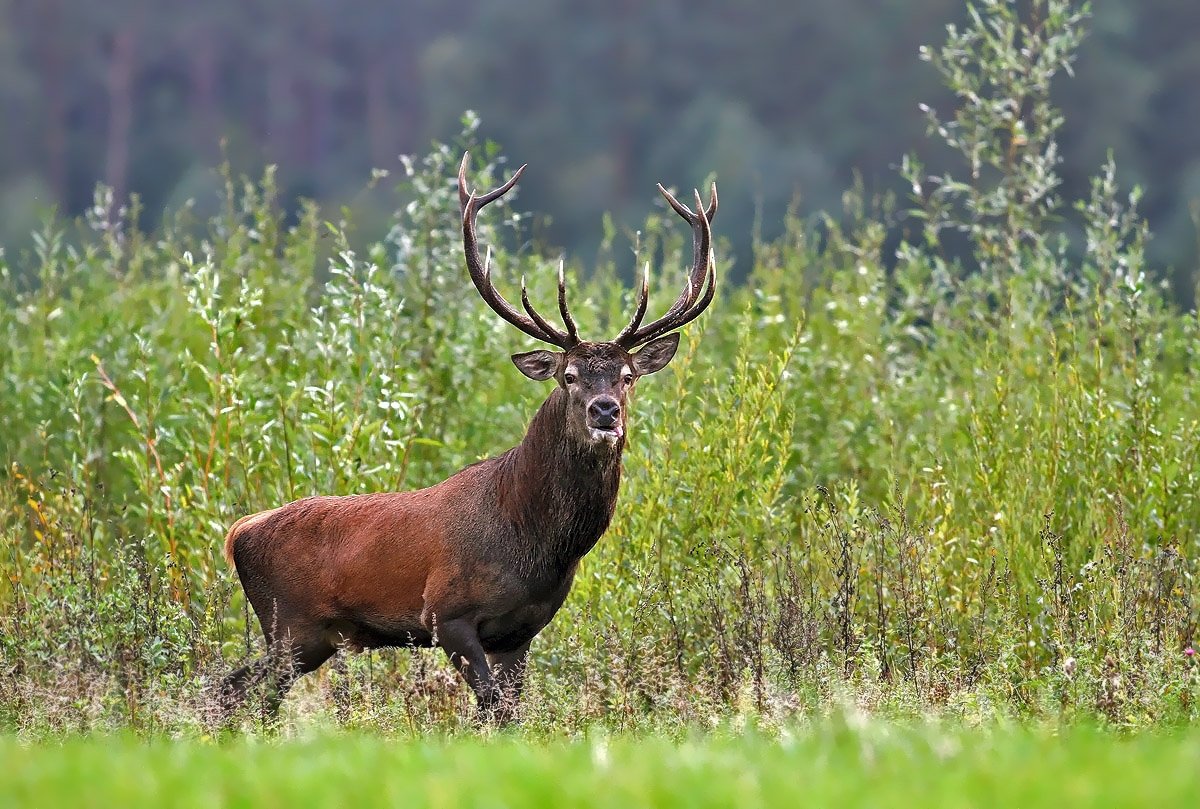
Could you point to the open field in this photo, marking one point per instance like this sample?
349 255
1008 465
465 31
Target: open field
876 764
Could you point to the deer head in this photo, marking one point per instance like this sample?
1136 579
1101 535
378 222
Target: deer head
596 376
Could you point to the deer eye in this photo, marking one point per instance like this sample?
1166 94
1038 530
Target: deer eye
570 378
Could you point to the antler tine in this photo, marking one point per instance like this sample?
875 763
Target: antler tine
711 211
464 197
534 314
640 312
691 287
489 197
535 325
685 211
568 321
694 312
700 248
702 277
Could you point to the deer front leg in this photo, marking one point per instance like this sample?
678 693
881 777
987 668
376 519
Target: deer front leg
509 670
460 639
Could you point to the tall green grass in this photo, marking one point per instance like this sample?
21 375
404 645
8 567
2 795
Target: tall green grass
953 481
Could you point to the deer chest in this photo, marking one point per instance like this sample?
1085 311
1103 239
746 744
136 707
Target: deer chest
521 620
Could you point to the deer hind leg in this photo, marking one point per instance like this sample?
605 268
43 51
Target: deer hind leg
231 693
292 657
280 669
295 646
460 639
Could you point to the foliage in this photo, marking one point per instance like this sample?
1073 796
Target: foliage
934 489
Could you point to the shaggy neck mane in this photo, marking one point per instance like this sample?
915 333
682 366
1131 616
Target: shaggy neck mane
559 491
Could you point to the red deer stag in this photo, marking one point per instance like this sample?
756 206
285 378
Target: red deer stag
481 562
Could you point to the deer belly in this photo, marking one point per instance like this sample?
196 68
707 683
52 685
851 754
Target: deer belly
359 633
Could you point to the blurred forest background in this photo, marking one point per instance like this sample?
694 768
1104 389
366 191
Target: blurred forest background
783 101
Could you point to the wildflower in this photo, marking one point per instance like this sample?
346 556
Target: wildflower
1190 652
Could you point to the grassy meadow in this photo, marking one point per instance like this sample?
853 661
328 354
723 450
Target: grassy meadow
831 764
928 462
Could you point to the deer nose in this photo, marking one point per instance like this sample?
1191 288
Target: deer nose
603 411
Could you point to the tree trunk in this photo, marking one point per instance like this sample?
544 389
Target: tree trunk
315 103
280 106
203 63
54 93
121 64
380 129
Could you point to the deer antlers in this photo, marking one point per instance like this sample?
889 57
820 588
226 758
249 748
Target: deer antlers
534 324
687 307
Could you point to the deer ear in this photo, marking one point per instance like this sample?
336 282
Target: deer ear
537 365
656 354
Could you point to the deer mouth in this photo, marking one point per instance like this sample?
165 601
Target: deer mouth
609 434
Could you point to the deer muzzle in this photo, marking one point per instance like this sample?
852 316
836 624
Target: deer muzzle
604 419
